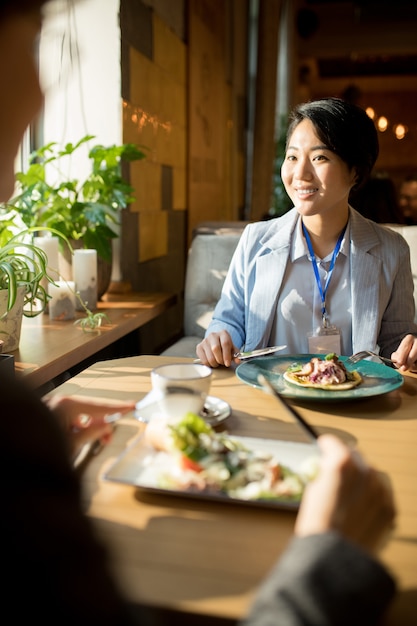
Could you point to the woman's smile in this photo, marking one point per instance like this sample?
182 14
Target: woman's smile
302 191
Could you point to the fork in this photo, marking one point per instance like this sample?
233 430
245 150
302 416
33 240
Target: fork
359 356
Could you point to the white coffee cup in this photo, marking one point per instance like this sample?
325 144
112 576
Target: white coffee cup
181 388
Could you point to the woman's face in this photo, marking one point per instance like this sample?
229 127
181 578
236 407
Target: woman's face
21 96
316 179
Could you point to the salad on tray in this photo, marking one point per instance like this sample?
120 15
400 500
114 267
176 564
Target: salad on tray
205 461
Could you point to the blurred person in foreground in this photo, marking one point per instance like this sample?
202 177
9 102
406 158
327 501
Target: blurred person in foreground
408 198
55 569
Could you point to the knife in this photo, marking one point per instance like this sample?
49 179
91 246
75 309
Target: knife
260 352
252 353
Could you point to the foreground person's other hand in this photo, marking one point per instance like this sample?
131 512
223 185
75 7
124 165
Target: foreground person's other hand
84 419
347 496
217 349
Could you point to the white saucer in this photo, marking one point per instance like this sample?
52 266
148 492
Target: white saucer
215 410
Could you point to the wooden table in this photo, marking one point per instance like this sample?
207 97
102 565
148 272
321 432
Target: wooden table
48 348
204 558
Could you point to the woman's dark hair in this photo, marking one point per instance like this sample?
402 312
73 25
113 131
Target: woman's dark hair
345 129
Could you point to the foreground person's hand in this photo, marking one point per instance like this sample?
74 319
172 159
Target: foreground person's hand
217 349
347 496
84 419
405 356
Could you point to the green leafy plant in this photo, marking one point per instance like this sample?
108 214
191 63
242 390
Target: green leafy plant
87 210
22 264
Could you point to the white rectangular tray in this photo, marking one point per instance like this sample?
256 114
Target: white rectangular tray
140 466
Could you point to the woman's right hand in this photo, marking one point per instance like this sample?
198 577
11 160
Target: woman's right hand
217 349
347 496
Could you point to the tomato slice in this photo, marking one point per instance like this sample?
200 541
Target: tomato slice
188 464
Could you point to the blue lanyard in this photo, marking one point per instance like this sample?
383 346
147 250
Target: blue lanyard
322 290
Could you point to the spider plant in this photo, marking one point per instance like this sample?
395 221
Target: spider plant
22 264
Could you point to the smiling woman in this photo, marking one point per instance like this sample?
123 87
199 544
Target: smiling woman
321 278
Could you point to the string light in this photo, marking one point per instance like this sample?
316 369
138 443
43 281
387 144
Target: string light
141 118
382 124
400 131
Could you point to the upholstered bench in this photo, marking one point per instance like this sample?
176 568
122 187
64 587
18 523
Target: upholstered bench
209 256
410 235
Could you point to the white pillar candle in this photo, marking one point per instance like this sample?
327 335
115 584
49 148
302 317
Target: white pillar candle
84 269
62 302
50 246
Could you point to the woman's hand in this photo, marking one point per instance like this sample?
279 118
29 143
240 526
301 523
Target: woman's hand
347 496
217 349
405 356
84 419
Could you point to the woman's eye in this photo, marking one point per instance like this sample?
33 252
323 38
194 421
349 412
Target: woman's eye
290 157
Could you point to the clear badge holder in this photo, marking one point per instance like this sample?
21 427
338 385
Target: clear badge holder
325 340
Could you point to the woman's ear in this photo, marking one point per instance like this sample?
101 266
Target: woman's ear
355 178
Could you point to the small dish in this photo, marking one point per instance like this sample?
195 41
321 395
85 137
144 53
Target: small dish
215 410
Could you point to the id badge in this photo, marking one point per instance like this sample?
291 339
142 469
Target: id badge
324 341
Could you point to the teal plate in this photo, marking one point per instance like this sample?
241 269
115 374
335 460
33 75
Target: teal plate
377 378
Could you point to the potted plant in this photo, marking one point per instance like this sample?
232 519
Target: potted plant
87 211
23 269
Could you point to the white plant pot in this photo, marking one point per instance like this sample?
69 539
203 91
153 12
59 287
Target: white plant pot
11 324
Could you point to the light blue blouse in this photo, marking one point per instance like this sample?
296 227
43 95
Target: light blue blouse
298 312
380 281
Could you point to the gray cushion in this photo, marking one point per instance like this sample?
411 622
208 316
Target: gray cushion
208 260
410 235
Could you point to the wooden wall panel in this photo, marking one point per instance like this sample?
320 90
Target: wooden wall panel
184 91
217 83
207 116
155 117
264 130
154 92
